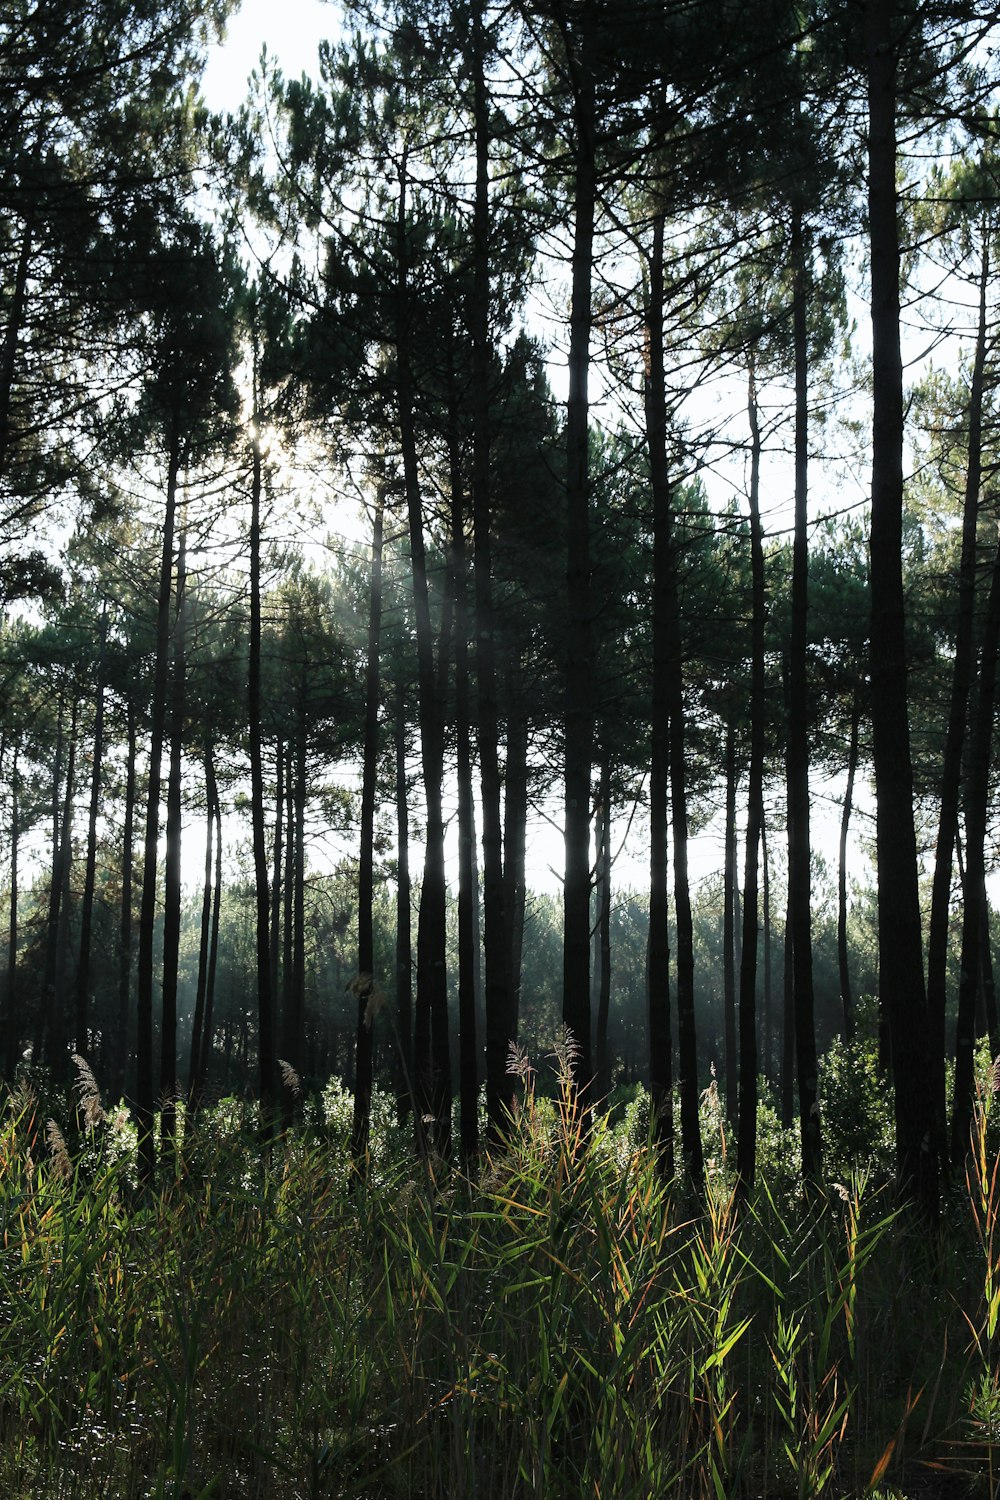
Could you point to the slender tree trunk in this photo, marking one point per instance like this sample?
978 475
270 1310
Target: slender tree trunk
603 966
788 1016
11 1038
901 975
767 1025
54 1039
658 943
120 1051
144 1100
846 993
990 1028
90 868
172 870
500 1016
467 893
432 1048
974 884
266 1028
8 354
747 1131
799 846
729 926
205 931
962 670
404 945
208 1029
366 861
55 889
515 817
579 670
295 990
274 948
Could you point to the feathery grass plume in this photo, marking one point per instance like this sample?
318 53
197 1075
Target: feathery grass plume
290 1078
59 1151
565 1053
90 1094
995 1076
518 1065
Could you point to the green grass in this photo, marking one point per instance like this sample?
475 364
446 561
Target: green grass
565 1325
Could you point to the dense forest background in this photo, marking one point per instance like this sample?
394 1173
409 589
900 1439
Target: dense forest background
559 415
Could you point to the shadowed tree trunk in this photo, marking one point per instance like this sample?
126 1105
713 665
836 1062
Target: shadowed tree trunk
90 869
205 932
846 994
974 884
11 1037
799 844
602 841
404 945
579 668
515 813
962 672
658 942
120 1049
729 926
266 1027
901 975
172 871
366 861
144 1100
747 1131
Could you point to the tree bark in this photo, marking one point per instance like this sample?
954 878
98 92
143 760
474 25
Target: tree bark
120 1050
144 1100
266 1028
208 1028
602 842
746 1156
366 861
974 883
205 930
901 975
500 1025
90 868
962 672
515 817
432 1050
404 944
729 927
658 942
843 963
172 870
799 842
579 669
11 1037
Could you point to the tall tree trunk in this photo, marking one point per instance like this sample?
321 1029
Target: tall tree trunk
208 1028
404 945
120 1051
468 896
799 844
767 1023
11 1035
901 974
500 1023
846 993
788 1015
144 1099
747 1131
55 890
204 938
961 679
266 1029
579 671
515 817
974 884
53 1042
432 1048
729 926
366 861
658 942
293 1038
172 869
603 966
8 355
276 880
90 868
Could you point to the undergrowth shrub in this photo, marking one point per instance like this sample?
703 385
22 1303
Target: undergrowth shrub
560 1323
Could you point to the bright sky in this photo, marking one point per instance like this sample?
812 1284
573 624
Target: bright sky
292 32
